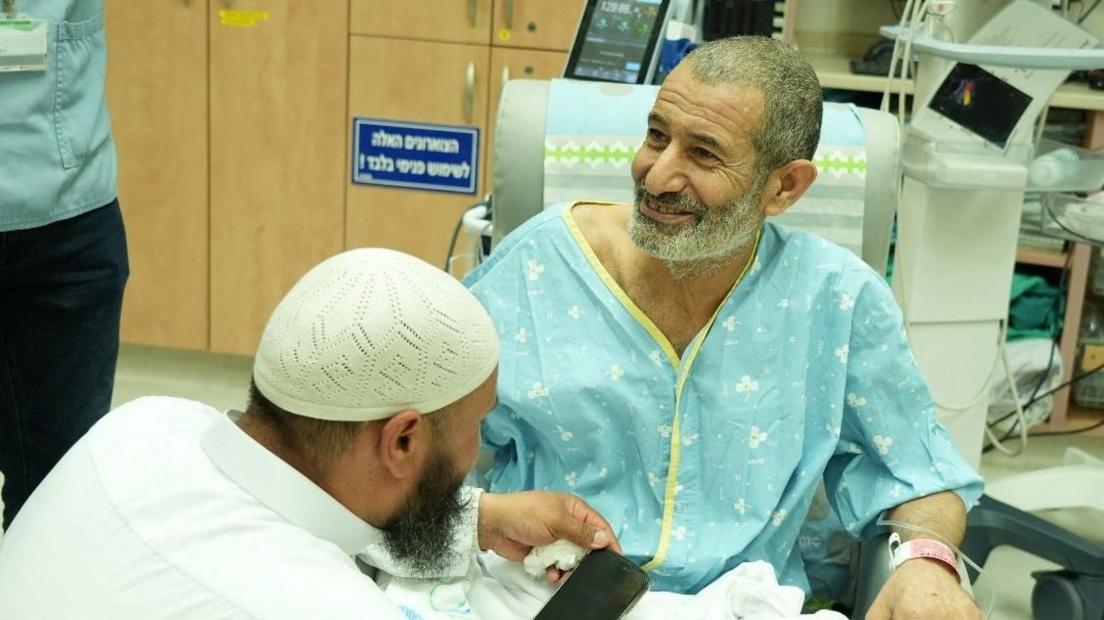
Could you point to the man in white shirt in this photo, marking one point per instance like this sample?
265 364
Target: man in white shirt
370 384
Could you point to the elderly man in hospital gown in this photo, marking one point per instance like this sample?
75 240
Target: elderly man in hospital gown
694 371
369 386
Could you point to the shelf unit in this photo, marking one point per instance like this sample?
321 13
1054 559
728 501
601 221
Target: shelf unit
834 71
1043 258
1077 283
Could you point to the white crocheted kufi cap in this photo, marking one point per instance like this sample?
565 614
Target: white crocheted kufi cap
372 332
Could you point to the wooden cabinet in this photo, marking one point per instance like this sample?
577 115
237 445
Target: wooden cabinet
277 159
536 24
234 140
457 21
231 137
416 222
416 69
157 94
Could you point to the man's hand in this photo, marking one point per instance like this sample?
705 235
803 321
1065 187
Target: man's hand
511 524
921 589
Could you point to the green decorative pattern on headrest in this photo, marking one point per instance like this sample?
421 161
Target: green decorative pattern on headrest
610 154
850 165
598 154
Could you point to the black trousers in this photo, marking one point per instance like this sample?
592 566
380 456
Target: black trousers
61 293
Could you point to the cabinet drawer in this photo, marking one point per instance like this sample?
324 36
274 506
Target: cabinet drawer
536 24
458 21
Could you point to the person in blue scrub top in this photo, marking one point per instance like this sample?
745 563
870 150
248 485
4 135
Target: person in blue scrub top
63 254
694 371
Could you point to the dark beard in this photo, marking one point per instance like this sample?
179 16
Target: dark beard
420 536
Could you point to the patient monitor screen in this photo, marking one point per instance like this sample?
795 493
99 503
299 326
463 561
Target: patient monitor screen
981 102
616 40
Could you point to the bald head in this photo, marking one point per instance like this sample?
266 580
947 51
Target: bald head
792 103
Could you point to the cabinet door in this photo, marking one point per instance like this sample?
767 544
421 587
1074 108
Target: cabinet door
456 21
423 82
536 24
512 64
278 92
157 95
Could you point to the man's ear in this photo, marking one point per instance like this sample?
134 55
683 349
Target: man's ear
404 443
787 184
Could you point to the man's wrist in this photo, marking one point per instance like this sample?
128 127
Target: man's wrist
933 551
484 532
929 564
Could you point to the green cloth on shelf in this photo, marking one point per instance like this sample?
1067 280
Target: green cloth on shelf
1035 308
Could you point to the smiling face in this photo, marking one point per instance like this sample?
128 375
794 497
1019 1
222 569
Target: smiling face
699 192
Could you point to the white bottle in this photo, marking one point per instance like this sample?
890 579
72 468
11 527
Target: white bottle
1053 168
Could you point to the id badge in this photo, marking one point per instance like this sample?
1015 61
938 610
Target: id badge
23 43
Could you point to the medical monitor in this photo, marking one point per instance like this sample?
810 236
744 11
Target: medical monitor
618 41
980 102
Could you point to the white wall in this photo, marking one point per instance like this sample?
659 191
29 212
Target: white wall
845 27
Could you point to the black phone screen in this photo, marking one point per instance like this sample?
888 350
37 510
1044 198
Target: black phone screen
605 586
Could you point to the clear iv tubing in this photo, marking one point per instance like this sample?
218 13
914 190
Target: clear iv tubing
988 611
1021 417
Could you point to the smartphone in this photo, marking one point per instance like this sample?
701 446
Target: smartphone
604 586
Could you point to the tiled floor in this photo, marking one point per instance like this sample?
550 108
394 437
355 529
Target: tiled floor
222 381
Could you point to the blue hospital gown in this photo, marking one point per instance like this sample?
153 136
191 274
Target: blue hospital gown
707 461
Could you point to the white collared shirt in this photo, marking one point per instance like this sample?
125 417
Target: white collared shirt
166 509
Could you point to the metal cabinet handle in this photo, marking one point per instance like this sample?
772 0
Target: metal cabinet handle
473 11
469 94
508 14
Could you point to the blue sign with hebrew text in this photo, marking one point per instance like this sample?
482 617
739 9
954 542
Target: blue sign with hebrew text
443 158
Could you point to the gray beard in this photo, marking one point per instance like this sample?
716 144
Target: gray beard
702 248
